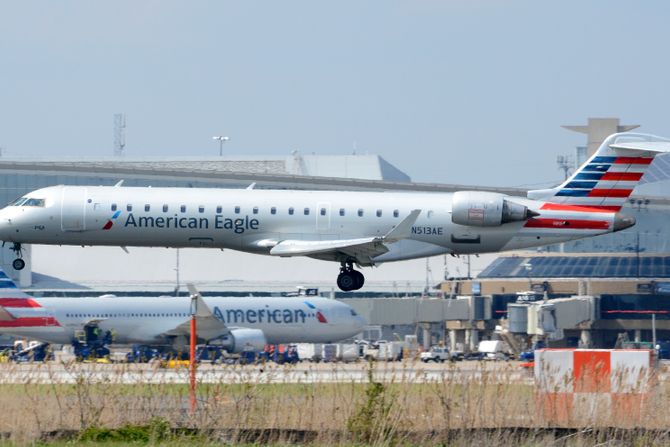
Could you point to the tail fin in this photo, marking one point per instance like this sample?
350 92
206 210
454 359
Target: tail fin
607 179
12 297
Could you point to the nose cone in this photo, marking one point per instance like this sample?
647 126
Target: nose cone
621 222
6 227
360 323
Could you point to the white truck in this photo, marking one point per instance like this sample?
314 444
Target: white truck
435 354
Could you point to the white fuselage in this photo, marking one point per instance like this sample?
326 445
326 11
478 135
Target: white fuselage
151 320
255 220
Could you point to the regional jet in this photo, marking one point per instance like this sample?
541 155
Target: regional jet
348 227
235 323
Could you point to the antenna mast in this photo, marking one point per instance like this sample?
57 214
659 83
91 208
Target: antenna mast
119 134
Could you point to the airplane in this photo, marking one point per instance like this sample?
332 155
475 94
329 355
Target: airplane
235 323
349 227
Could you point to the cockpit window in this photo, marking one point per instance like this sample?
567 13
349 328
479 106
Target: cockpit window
353 312
17 202
33 202
27 201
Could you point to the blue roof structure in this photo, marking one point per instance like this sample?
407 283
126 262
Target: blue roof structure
578 267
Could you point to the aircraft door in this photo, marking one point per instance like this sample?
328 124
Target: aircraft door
322 216
73 209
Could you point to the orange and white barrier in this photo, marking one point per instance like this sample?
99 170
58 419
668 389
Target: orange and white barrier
587 386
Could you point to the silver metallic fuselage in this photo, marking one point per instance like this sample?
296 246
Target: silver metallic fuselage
254 220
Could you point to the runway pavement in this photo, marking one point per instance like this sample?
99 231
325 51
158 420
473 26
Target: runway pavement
153 373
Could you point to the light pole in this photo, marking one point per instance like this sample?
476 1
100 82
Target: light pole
222 139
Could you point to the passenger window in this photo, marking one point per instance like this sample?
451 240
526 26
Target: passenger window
341 211
273 210
147 208
165 208
323 211
129 207
219 209
396 213
360 212
113 206
201 209
306 211
290 211
255 210
183 208
379 213
237 210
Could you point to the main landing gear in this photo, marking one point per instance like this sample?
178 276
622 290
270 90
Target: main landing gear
18 263
349 279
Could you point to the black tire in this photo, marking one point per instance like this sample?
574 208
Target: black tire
346 281
18 264
358 278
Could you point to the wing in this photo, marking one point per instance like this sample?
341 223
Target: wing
207 325
363 250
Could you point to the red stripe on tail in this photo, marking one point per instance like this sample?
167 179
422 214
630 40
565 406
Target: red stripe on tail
30 322
623 176
598 192
18 302
633 160
581 208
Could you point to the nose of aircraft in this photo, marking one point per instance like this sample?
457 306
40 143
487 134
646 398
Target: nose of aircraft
360 323
621 222
5 225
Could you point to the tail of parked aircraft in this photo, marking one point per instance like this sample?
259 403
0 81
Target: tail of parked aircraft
18 309
607 179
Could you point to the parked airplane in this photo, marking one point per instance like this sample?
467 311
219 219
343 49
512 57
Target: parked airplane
349 227
235 323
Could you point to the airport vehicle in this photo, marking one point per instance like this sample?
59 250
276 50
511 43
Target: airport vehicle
492 350
436 354
350 227
237 324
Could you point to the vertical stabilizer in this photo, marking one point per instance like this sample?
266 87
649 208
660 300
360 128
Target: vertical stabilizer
607 178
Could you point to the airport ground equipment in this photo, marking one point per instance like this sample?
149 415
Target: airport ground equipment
594 387
436 354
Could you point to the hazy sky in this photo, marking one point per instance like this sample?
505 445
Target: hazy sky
448 91
466 91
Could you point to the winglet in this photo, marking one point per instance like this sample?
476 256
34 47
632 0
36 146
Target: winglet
202 309
119 183
404 229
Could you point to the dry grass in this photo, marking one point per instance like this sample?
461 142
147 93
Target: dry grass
483 407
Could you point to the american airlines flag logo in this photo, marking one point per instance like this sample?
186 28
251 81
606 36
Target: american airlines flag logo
110 222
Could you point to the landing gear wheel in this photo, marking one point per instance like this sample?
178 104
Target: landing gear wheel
18 264
359 278
349 279
346 281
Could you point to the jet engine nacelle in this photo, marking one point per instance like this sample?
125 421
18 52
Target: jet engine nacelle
486 209
243 339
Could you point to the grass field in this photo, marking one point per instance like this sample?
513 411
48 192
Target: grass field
475 409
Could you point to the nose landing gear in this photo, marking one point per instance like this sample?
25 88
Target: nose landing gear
18 263
349 279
